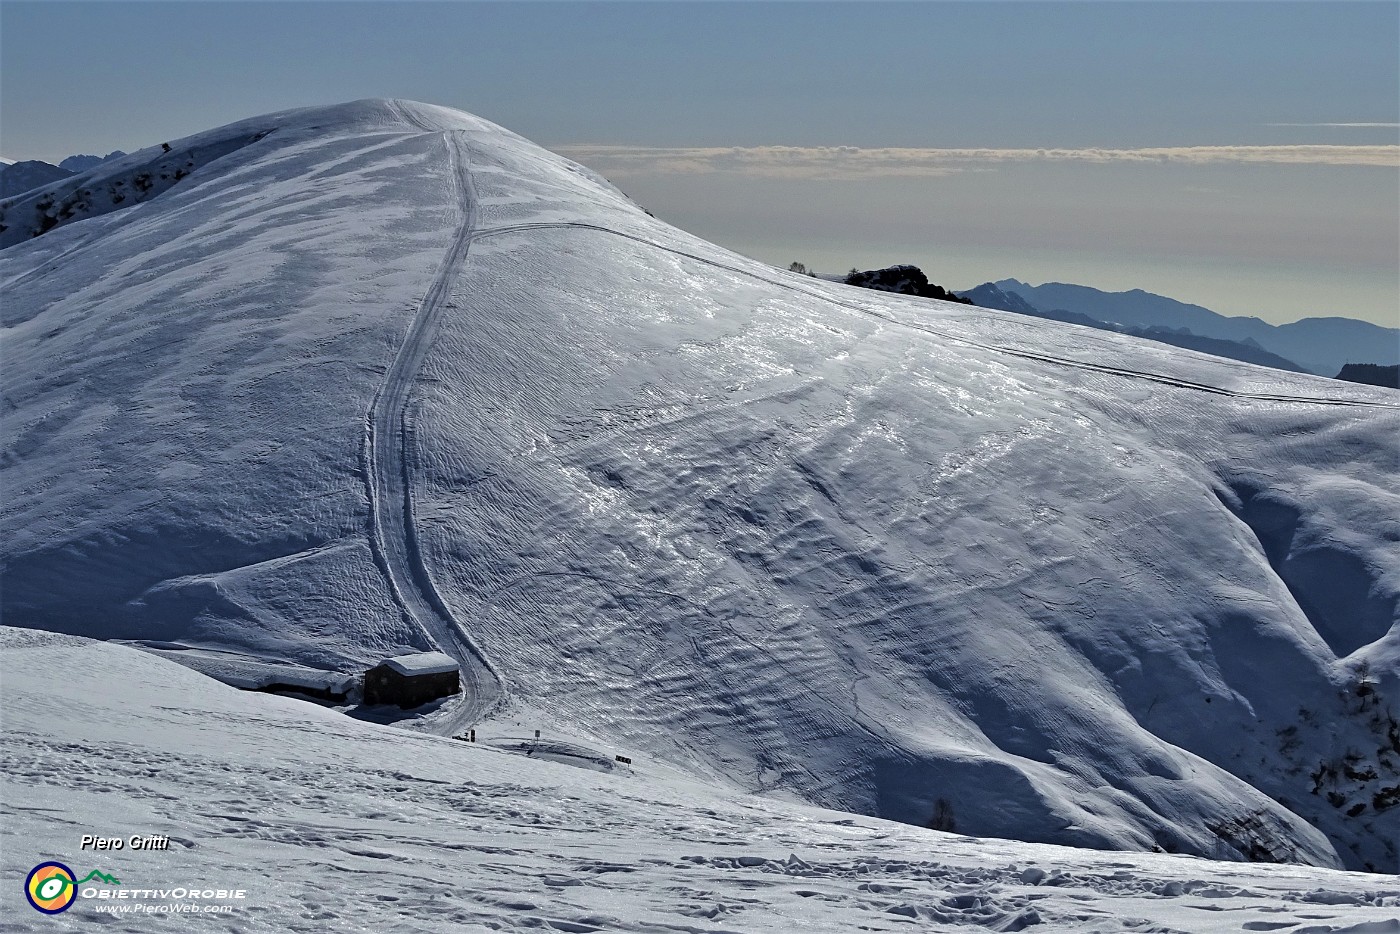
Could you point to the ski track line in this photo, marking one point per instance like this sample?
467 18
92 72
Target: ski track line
968 342
389 461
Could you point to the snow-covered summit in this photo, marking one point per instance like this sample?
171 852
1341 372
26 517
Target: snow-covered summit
130 180
384 378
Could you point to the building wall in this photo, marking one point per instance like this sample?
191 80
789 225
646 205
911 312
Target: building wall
384 685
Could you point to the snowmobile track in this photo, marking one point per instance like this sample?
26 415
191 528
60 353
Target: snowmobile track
389 459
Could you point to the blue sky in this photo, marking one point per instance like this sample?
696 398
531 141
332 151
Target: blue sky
1167 119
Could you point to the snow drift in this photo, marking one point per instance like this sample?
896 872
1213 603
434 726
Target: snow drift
383 377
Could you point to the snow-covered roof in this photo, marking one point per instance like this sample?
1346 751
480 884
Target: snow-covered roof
423 663
258 680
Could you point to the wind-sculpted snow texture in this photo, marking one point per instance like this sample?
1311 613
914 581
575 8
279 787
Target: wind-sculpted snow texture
901 557
328 824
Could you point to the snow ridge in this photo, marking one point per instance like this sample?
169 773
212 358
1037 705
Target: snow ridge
111 186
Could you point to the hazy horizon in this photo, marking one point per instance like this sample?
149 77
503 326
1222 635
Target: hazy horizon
1238 156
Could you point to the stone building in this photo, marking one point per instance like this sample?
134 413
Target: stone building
412 680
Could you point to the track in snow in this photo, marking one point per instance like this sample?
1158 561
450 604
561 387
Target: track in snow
1173 381
389 459
390 452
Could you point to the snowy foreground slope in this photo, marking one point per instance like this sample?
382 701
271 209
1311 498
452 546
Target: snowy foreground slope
330 824
383 376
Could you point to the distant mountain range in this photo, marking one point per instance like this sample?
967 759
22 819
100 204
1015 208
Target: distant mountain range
82 163
1318 345
19 177
990 295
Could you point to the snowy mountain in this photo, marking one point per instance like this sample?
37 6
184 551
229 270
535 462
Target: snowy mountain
18 177
383 377
325 823
1322 344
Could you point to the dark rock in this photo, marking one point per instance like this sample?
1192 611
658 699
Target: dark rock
903 279
1372 374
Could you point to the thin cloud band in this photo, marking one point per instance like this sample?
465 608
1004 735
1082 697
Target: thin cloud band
856 162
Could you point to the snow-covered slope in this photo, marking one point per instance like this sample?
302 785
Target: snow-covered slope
124 182
384 376
328 824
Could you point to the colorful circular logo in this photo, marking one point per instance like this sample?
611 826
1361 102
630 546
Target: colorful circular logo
51 888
